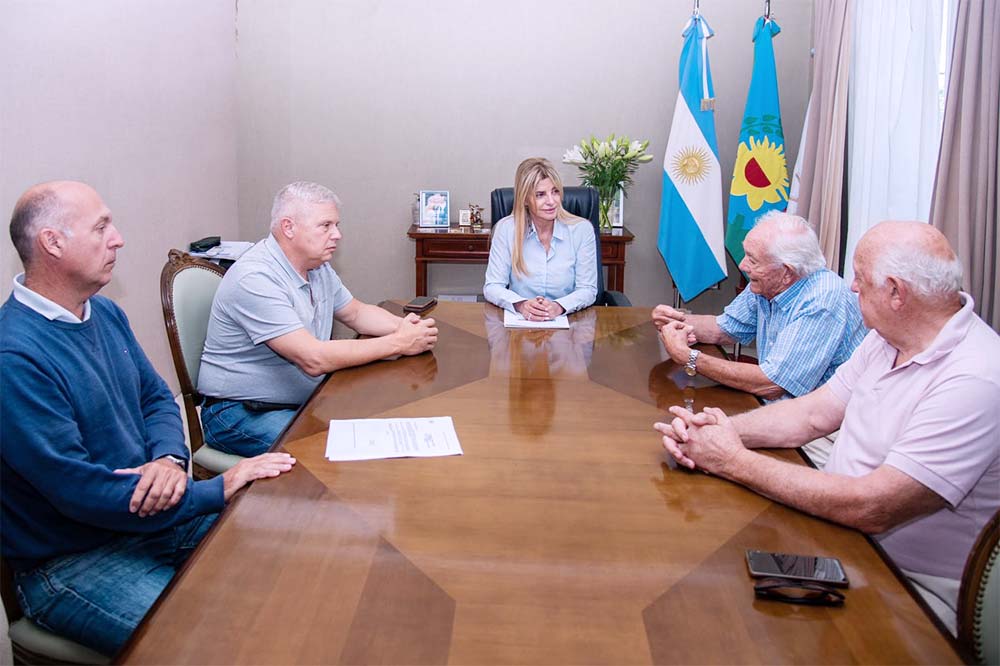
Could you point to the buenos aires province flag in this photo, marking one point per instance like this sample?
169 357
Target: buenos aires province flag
760 175
691 224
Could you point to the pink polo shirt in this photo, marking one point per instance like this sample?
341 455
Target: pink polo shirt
935 418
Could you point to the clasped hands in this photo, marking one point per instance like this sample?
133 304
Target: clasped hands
416 335
707 441
677 336
539 308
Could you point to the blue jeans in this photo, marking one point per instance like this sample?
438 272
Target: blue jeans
232 428
97 598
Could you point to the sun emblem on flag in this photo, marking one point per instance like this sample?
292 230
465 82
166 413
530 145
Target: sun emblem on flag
760 173
690 165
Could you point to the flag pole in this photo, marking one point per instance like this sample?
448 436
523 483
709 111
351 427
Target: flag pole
677 294
692 228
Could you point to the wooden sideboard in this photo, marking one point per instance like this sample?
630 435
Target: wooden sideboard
471 245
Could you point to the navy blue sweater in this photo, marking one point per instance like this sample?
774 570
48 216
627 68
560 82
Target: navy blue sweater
78 401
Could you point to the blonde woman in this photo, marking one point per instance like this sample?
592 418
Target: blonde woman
543 260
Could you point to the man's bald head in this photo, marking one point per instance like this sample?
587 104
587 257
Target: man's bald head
46 205
914 252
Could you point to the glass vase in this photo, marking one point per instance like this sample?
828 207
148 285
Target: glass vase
607 202
605 207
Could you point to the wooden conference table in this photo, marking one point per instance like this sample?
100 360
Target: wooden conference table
561 536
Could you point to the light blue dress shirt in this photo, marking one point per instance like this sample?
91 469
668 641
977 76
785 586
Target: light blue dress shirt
566 274
803 334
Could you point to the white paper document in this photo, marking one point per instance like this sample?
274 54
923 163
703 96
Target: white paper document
374 439
514 320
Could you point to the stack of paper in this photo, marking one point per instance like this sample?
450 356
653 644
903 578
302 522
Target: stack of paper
514 320
373 439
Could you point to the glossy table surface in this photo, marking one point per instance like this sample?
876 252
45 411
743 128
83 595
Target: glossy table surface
560 536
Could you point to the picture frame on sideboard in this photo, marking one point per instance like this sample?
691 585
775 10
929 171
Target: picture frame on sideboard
434 208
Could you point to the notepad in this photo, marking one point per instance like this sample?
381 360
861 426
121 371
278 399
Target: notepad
514 320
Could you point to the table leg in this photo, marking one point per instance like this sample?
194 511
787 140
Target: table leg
616 277
421 281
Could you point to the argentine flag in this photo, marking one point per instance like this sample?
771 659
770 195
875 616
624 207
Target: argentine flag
691 223
760 175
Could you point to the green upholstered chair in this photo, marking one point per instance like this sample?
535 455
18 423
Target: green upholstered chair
187 287
30 643
979 599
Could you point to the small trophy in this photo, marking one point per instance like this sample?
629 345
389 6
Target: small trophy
477 215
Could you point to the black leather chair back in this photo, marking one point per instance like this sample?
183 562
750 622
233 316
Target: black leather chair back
580 201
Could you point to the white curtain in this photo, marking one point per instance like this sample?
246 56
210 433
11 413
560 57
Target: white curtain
894 114
793 190
818 177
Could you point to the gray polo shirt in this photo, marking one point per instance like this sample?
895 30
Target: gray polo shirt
260 298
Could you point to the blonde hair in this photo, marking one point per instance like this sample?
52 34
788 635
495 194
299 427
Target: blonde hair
529 173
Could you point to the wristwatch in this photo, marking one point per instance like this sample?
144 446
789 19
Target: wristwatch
180 462
690 369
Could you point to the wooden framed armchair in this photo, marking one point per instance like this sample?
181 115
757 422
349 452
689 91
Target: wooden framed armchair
187 288
979 598
32 644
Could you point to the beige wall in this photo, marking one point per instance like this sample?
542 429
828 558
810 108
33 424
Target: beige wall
183 112
379 99
139 100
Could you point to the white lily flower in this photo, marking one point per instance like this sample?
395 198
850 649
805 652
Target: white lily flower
574 156
607 165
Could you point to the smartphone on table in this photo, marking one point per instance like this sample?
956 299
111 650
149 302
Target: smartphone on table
420 304
827 570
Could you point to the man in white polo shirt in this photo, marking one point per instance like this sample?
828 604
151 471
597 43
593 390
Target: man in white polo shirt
268 343
917 462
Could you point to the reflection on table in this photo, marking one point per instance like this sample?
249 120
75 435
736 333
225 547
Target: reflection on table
561 536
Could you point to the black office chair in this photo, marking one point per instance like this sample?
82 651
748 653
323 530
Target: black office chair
582 202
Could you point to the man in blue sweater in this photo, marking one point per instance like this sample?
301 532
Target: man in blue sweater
97 508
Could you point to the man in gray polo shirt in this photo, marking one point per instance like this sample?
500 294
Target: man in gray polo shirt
268 342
